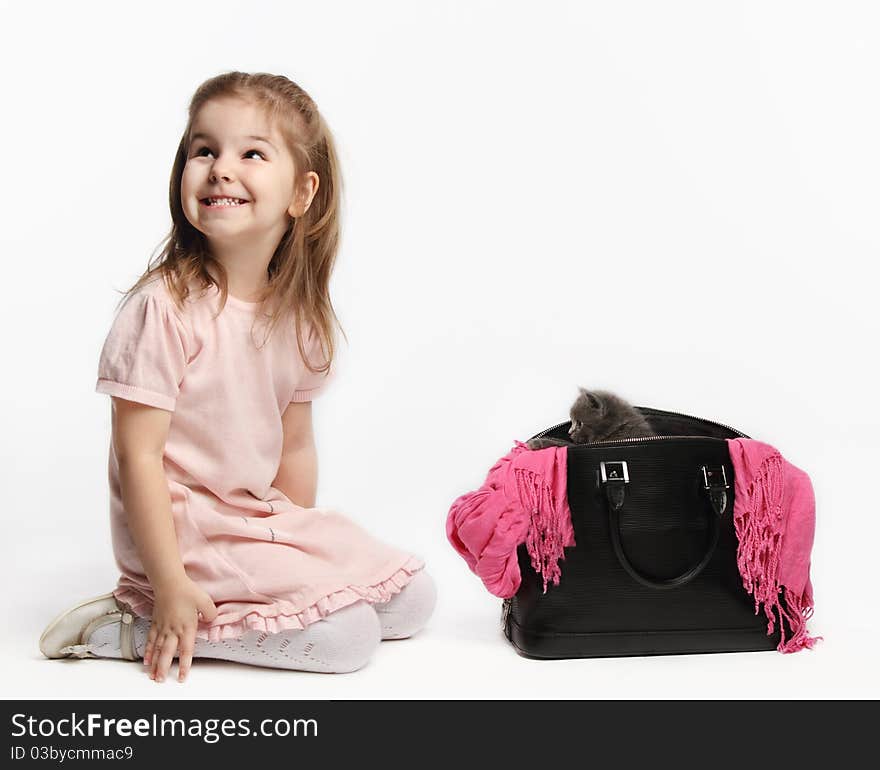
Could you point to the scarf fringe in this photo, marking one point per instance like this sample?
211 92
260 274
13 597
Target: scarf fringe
550 530
798 613
760 527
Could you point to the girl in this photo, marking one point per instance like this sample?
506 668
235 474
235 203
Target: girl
212 463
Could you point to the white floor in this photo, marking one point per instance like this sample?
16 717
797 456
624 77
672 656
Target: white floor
461 654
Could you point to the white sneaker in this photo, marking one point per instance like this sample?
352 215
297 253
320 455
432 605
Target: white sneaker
69 633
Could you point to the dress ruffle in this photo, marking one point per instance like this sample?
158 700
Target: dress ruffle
282 615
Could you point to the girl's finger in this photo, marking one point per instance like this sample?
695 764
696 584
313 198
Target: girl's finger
184 655
157 654
169 647
151 640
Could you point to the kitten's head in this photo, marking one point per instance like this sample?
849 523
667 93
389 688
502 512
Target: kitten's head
596 414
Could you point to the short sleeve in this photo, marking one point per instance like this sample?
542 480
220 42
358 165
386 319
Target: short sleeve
312 384
144 355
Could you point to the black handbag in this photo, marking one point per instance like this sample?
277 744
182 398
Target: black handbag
654 570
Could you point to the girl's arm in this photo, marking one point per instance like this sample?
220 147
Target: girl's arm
139 434
297 475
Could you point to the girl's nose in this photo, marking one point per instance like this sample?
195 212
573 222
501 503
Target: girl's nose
215 175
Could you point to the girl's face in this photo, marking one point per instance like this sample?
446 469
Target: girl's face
235 153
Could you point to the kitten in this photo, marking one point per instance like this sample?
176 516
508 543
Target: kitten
598 415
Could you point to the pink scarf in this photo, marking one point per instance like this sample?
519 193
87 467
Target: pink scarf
774 512
524 500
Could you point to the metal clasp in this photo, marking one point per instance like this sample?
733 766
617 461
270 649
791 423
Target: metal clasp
614 470
715 477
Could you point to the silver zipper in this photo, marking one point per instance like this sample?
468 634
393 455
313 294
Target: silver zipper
644 438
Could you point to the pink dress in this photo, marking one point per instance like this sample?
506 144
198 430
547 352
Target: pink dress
267 563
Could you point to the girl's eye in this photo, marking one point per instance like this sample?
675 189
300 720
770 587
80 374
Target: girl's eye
203 149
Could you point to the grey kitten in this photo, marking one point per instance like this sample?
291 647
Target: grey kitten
598 415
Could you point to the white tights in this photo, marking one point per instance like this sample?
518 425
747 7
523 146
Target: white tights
341 642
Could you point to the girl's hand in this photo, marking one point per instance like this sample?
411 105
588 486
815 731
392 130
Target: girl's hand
175 617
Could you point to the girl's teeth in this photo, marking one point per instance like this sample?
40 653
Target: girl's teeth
225 202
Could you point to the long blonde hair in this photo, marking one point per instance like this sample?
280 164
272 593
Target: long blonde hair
300 268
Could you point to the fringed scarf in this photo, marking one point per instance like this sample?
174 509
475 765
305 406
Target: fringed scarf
774 512
524 500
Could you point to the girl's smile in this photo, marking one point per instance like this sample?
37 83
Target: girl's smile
222 204
236 156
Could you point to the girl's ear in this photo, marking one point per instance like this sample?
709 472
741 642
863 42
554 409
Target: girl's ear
304 195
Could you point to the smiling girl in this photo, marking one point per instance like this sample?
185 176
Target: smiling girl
212 461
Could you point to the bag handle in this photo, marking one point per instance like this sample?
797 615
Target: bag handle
614 476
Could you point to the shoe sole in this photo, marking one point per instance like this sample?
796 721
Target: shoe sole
51 627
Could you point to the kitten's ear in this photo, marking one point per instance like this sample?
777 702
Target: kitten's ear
593 400
587 396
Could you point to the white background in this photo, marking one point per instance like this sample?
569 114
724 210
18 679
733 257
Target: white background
677 201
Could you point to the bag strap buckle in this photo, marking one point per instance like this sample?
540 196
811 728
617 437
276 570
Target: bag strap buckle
715 476
715 482
615 477
614 470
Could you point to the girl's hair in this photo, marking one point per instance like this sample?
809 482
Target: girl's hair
300 269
